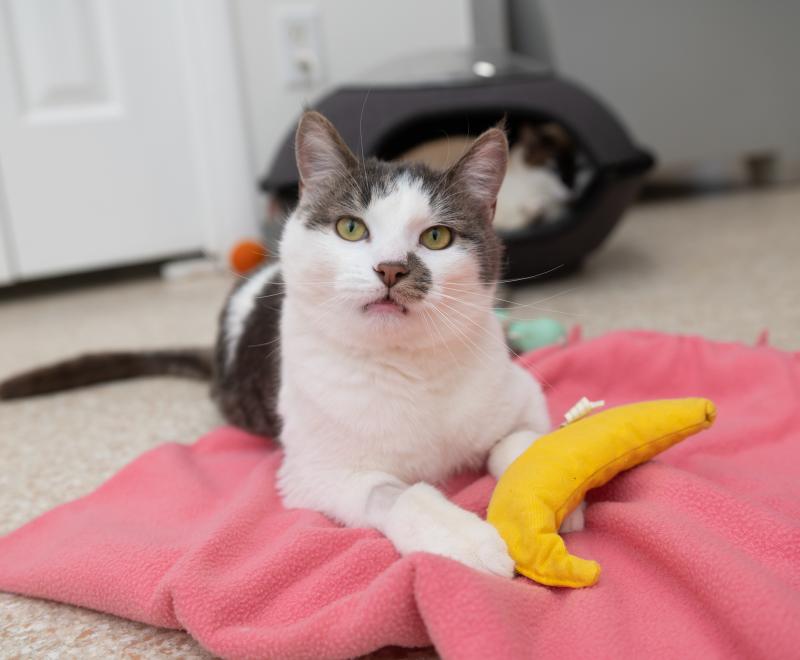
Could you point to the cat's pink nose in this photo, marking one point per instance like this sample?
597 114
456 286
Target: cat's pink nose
390 272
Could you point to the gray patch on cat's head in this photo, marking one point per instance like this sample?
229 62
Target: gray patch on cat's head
455 206
354 188
348 193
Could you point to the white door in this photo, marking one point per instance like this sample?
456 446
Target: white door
96 150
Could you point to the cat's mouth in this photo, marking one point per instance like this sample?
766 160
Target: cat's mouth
385 305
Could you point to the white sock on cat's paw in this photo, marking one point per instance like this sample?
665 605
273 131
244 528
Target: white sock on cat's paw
575 521
424 520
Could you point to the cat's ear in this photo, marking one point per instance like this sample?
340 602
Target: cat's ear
320 151
480 171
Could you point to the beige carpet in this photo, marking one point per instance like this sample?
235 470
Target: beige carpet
725 267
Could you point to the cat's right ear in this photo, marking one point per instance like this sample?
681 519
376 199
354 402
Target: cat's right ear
320 151
480 171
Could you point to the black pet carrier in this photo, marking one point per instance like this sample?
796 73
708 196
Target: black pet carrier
397 109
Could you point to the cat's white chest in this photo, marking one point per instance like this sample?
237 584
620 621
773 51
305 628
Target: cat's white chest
417 419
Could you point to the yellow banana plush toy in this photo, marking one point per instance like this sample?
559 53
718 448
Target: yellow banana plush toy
545 484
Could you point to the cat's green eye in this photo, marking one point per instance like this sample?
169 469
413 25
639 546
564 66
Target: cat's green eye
436 238
351 229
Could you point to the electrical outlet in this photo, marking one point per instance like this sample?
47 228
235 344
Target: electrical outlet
298 40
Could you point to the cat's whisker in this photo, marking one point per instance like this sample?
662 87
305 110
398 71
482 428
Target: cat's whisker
462 333
456 334
310 282
535 302
516 279
548 311
239 275
510 350
266 343
531 277
481 328
463 300
270 295
430 323
556 295
272 352
516 306
473 322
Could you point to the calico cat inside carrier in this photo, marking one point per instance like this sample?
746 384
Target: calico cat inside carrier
582 156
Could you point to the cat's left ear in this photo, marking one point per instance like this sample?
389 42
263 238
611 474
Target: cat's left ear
320 151
480 171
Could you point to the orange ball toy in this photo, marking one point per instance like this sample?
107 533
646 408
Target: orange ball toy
246 255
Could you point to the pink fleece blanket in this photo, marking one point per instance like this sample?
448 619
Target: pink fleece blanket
700 549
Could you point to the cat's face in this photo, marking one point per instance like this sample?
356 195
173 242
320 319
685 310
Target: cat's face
388 252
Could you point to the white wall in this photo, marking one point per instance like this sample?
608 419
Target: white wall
695 80
356 35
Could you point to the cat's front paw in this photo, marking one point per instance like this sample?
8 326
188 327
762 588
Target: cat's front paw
423 520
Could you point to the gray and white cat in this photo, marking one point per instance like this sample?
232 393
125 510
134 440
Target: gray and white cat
372 351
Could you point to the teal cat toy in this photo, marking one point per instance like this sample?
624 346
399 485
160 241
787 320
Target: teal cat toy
529 334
